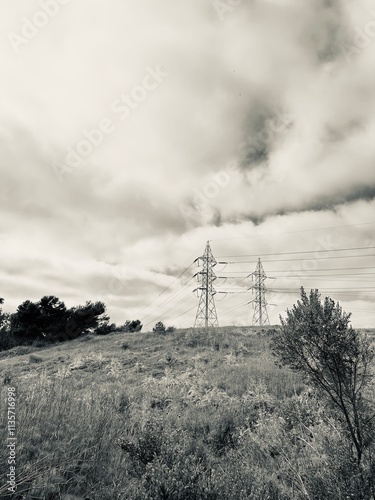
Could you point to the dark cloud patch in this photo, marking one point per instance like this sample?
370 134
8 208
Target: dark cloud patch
320 203
254 219
327 30
338 133
169 271
257 221
146 207
217 218
255 154
257 137
175 272
362 192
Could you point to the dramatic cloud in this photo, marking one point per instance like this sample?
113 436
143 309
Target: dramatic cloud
130 135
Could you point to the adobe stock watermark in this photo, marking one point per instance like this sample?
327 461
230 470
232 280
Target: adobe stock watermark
255 144
115 285
215 184
31 27
362 38
223 7
11 440
211 188
302 269
121 107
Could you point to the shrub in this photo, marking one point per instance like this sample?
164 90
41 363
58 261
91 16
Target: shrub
35 359
159 328
134 325
317 341
105 329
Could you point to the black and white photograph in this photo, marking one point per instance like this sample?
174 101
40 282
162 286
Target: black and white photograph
187 250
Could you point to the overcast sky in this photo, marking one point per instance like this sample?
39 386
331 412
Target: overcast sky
133 132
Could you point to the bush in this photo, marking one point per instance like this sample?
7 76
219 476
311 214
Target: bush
105 329
317 341
133 326
159 328
35 359
130 326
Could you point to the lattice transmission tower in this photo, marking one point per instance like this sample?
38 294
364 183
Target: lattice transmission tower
206 313
260 316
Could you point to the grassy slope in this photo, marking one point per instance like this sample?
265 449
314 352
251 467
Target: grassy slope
93 413
230 355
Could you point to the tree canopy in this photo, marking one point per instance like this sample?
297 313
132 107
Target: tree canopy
50 319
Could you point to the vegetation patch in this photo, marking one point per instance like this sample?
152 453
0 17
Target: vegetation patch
169 420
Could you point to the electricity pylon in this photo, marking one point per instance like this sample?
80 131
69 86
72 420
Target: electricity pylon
206 313
260 316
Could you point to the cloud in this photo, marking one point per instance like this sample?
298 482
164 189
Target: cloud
261 124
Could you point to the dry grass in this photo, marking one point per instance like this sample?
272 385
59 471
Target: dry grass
180 416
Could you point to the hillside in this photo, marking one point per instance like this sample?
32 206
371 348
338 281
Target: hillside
191 414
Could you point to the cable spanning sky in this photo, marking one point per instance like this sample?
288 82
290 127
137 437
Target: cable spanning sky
235 285
131 134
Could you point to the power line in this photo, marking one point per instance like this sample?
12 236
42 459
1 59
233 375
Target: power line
294 232
312 270
179 315
294 260
183 314
300 252
355 294
169 298
175 294
174 306
165 289
362 275
232 308
328 277
332 289
158 315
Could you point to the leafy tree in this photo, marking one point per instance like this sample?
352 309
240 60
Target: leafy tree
105 328
317 341
25 322
43 319
52 316
49 319
159 328
88 318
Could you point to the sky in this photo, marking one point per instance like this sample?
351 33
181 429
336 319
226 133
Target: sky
131 133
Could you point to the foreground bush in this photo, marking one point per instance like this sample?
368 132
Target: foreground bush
317 340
